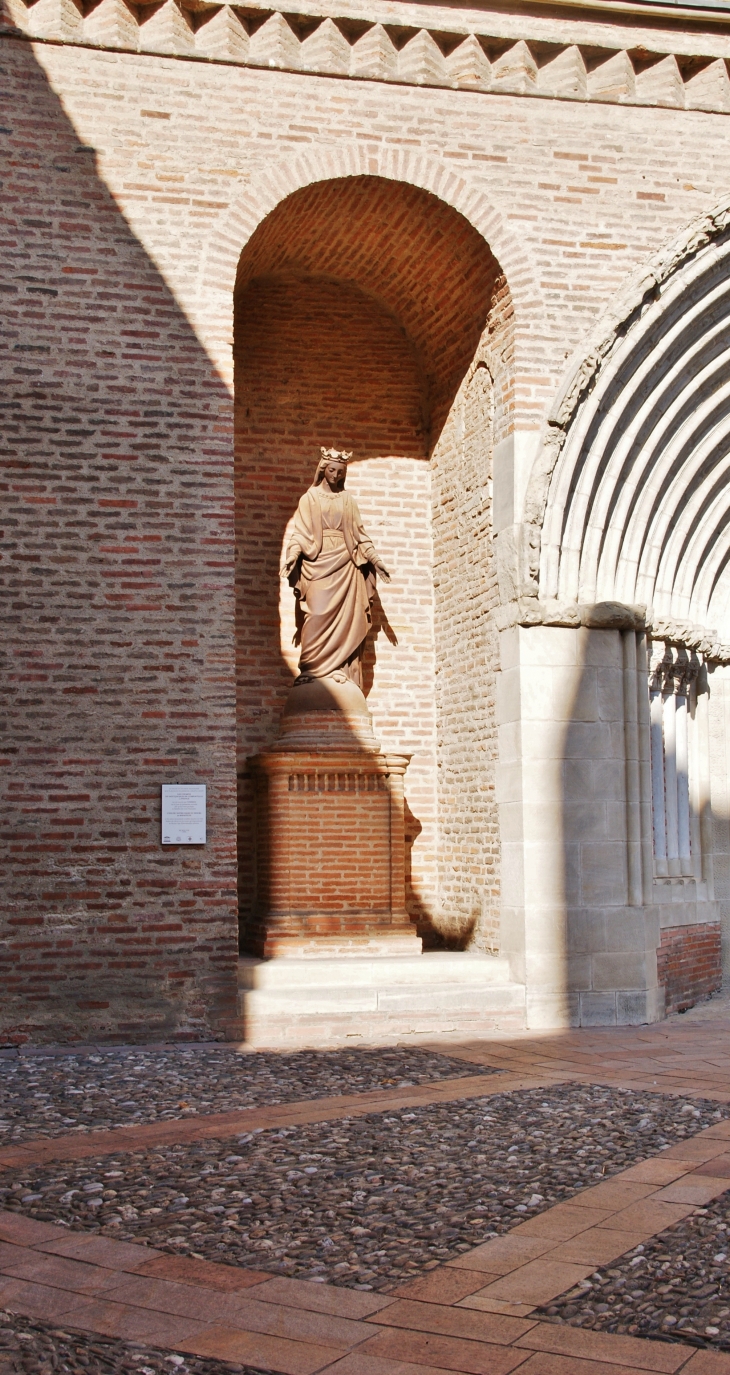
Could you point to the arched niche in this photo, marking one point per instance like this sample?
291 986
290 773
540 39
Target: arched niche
363 306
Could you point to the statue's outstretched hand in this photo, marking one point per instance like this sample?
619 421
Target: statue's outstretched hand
383 571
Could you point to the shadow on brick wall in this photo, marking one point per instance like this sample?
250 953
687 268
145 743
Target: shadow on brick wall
117 632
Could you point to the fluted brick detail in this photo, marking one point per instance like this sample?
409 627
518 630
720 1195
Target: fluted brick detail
613 80
58 19
661 84
326 50
274 45
421 61
469 67
113 24
709 89
374 55
168 31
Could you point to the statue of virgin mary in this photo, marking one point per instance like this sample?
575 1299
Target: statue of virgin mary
331 564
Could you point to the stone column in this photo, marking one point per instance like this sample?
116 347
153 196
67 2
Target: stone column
567 748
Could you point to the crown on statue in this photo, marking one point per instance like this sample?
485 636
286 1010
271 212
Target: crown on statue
335 455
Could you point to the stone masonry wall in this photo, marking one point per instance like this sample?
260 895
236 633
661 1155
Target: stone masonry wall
134 183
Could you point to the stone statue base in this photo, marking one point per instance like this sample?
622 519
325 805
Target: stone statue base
326 714
330 845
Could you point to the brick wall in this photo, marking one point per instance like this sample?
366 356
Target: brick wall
135 183
689 964
467 649
117 613
320 363
313 883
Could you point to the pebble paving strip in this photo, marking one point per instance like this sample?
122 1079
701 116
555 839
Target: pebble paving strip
364 1202
50 1096
676 1286
28 1347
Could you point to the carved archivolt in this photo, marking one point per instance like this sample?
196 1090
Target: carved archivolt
629 502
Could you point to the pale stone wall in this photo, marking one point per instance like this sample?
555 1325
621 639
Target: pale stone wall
580 935
719 752
584 953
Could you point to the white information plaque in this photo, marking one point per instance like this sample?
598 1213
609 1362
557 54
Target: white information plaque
183 813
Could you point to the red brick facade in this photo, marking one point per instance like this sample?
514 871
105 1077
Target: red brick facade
118 613
689 964
142 520
313 883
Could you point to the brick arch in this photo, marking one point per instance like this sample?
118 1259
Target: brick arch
361 302
219 261
421 261
591 497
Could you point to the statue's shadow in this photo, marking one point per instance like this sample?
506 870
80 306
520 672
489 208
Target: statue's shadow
379 624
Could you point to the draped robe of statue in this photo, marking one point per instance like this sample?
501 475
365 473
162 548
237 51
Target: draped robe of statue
329 562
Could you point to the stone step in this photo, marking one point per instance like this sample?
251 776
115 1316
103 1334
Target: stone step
432 998
449 967
290 1003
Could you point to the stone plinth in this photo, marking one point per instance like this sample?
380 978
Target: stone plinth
330 848
292 1003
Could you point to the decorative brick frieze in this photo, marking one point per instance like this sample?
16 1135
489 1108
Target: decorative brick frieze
326 781
475 61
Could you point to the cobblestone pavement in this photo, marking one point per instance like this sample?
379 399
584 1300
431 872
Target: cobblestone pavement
677 1285
37 1348
367 1202
458 1230
51 1095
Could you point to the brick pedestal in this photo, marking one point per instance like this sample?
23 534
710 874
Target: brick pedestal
330 854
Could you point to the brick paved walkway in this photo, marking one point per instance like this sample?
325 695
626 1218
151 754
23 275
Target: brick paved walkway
472 1315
